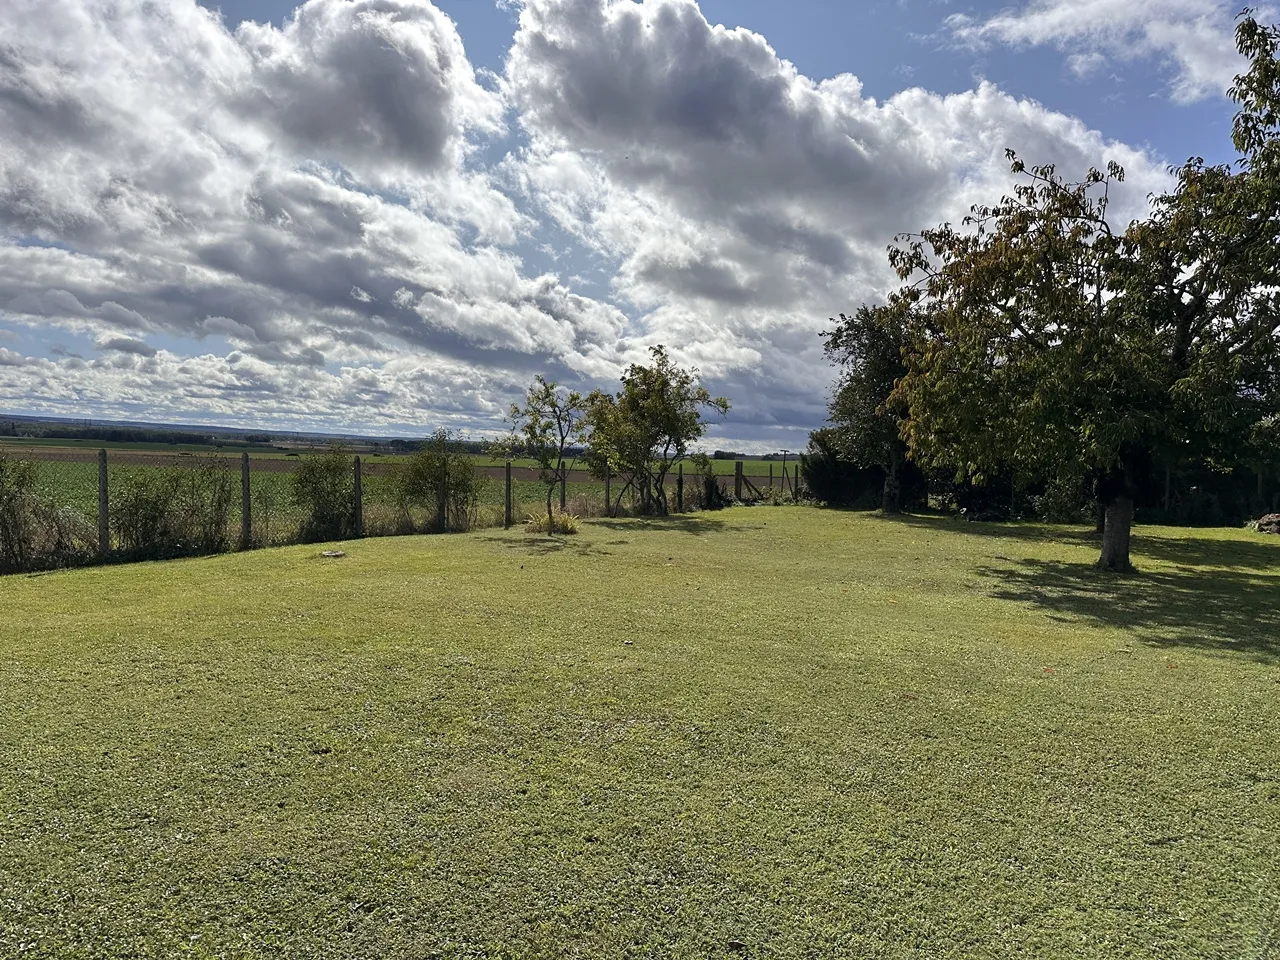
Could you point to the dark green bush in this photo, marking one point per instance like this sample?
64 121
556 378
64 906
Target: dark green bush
324 489
836 481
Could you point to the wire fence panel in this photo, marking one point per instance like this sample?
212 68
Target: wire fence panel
67 506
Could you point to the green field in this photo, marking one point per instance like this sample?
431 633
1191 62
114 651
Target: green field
771 732
751 468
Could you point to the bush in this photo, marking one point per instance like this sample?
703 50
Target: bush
440 479
160 514
1065 500
37 533
705 492
560 523
836 481
17 514
324 489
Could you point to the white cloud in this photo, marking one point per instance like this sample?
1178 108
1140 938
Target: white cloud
296 224
1194 37
743 203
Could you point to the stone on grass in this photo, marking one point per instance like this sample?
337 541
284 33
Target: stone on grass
1268 524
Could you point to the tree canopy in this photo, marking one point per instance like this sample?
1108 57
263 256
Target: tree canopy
1041 335
644 430
867 420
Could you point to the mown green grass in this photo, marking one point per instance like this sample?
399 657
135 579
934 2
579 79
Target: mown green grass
830 735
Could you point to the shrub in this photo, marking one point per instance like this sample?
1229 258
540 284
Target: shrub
17 514
835 480
1065 500
159 514
560 523
37 533
441 478
712 496
324 489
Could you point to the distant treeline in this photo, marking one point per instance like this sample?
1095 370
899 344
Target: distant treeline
733 455
119 434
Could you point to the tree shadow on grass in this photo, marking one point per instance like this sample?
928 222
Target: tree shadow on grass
545 546
1228 611
681 523
1186 549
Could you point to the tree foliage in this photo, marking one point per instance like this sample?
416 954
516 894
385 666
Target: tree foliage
865 414
552 422
1041 336
647 428
441 477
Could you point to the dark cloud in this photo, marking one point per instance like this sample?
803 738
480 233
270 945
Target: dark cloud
126 345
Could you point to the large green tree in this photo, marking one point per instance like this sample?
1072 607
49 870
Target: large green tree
649 426
865 415
1042 336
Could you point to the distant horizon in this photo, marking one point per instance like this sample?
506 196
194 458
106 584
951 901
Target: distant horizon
756 450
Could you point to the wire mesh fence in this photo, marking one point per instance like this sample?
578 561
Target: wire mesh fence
64 506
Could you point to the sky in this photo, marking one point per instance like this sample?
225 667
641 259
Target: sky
388 216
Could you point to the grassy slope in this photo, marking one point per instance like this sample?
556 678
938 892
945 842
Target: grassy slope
833 735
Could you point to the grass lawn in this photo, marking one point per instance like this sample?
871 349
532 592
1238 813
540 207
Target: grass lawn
830 735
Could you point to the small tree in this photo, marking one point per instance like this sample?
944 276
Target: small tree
551 422
866 417
442 478
647 428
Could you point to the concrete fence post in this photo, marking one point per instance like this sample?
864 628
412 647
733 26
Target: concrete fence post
506 516
246 515
608 502
680 489
359 498
771 477
737 479
442 508
104 508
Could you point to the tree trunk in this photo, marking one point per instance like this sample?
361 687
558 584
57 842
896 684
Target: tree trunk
1101 523
1116 535
891 497
551 520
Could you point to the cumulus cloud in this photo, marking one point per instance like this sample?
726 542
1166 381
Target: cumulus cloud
304 217
272 188
1194 37
744 203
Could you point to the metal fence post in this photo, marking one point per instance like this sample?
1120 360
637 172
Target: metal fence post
506 517
359 497
680 489
246 517
104 508
737 480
